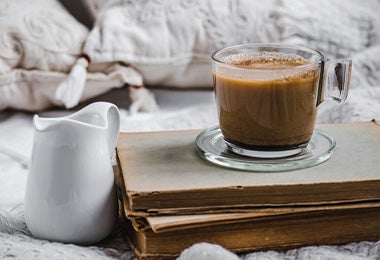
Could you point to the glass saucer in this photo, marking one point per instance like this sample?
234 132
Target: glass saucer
211 146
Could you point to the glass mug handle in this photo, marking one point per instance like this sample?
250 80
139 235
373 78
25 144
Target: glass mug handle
335 82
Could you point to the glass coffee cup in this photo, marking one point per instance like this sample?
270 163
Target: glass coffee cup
267 96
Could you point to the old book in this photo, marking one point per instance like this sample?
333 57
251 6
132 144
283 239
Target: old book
162 174
184 220
251 233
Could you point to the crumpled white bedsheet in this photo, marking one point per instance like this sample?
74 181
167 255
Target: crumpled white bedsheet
179 109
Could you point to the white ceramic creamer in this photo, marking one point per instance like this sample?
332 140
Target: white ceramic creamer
70 193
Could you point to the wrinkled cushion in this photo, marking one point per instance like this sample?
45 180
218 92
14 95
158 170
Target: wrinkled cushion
39 43
339 29
170 41
38 35
34 90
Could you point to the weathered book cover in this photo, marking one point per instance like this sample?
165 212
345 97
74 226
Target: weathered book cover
185 220
336 226
162 174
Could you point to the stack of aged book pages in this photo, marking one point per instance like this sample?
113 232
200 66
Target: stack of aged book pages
170 198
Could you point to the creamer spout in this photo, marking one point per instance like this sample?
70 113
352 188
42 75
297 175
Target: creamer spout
41 124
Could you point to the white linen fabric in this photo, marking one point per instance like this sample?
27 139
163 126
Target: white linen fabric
179 109
39 43
38 35
34 90
170 42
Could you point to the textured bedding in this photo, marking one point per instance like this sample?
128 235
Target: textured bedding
354 32
179 109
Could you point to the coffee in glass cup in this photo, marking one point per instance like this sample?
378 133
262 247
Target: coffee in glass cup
267 96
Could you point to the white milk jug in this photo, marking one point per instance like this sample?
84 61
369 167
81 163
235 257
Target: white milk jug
70 193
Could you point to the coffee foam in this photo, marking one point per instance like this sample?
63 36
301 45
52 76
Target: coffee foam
269 65
265 60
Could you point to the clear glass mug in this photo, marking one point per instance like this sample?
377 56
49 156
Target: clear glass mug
267 95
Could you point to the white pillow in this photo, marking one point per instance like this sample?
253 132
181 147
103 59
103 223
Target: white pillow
39 43
170 41
38 35
339 29
34 90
